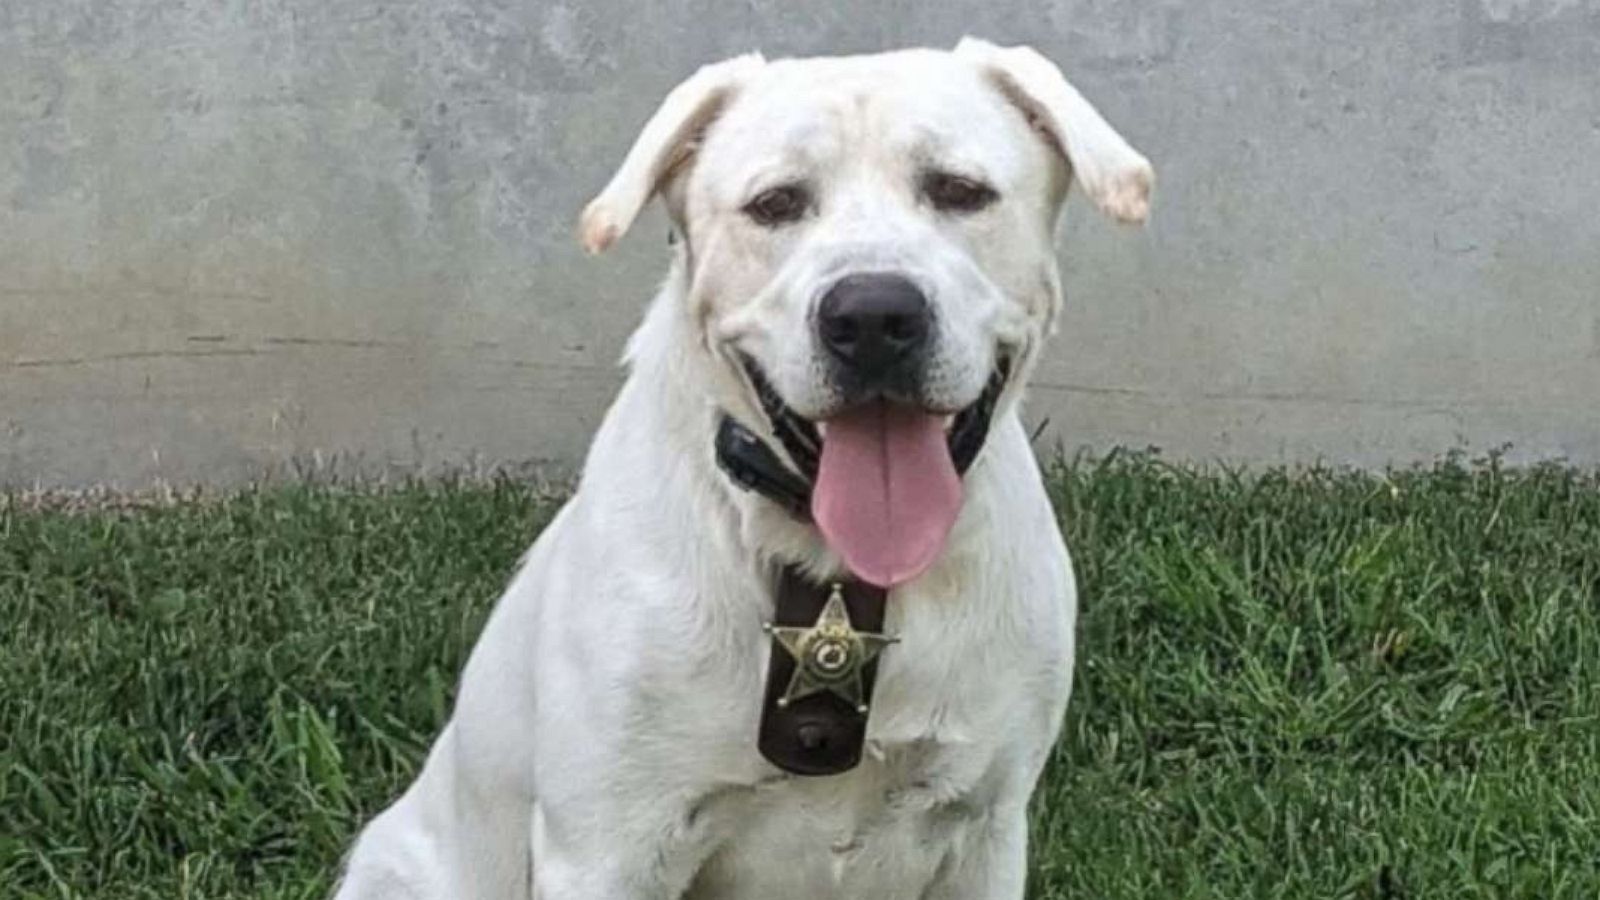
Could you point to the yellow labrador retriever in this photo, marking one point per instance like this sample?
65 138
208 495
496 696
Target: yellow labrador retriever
805 630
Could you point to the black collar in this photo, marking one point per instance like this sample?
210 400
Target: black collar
755 467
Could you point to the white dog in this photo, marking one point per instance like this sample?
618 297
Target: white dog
862 279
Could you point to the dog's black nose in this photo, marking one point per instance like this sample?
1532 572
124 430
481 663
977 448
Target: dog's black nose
874 323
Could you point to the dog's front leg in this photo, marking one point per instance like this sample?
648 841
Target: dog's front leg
616 850
991 864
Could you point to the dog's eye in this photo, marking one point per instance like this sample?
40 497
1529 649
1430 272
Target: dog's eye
956 193
779 205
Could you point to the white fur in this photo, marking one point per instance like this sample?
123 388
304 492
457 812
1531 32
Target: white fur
603 744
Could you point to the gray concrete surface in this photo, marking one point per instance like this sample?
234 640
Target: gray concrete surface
234 235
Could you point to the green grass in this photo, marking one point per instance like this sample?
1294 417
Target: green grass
1307 684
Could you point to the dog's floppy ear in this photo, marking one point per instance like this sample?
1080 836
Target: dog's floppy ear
1114 175
667 140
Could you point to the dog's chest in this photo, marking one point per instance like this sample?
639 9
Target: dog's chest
880 831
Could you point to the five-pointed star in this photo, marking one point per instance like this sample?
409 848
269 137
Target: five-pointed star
830 655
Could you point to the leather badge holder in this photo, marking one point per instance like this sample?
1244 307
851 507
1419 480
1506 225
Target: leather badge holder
826 639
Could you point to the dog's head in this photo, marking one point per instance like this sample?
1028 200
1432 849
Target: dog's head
868 242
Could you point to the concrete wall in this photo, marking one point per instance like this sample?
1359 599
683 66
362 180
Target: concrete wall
234 234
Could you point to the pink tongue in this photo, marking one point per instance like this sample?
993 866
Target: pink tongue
887 492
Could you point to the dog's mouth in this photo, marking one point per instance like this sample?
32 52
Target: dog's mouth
885 475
